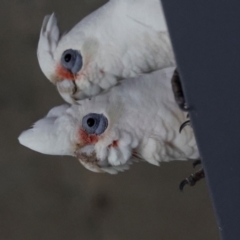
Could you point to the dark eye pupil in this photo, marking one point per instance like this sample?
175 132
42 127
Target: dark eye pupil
67 57
90 122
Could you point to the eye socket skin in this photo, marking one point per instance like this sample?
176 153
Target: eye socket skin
72 60
94 123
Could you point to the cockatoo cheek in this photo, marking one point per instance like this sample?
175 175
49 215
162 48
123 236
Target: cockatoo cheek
63 73
87 138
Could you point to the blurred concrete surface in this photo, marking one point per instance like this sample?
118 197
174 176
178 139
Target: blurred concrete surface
54 198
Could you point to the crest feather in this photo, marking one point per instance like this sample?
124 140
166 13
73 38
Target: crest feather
48 41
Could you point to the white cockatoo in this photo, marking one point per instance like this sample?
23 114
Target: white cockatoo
122 39
137 119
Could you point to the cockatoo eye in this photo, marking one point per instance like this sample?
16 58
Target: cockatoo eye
94 123
72 60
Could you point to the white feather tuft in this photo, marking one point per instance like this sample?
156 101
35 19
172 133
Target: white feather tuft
48 41
46 137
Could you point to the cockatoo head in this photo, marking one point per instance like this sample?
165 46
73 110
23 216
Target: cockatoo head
121 39
91 135
71 61
138 118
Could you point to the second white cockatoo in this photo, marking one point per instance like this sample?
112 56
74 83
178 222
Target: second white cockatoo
138 119
122 39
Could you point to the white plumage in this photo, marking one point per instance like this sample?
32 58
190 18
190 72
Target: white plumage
122 39
143 123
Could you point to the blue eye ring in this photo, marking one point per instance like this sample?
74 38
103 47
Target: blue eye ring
72 60
94 123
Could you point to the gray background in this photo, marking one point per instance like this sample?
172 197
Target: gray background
47 197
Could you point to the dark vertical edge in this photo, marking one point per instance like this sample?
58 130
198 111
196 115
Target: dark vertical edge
206 40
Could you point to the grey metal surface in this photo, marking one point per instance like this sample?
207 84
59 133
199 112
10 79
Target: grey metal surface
206 39
45 197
